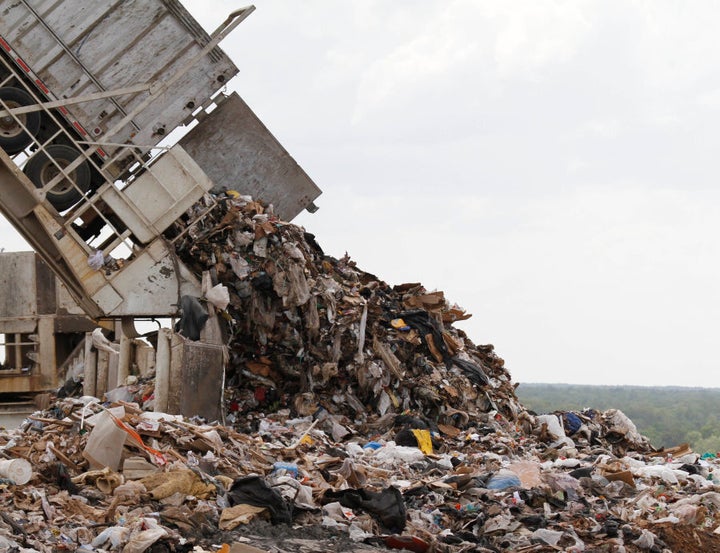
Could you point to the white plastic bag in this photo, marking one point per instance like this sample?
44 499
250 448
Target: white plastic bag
116 535
96 260
219 296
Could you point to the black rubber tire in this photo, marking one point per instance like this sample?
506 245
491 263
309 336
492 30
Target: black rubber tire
40 169
13 138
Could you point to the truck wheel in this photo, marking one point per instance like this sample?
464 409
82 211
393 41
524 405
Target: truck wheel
13 138
40 169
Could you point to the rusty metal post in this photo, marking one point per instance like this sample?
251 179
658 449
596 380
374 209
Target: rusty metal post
162 370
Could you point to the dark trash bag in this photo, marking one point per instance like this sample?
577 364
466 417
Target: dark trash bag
421 321
387 506
472 371
425 324
572 423
252 490
192 319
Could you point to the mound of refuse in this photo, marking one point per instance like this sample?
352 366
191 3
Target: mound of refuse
357 418
309 332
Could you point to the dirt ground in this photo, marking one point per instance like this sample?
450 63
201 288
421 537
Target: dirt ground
683 538
283 538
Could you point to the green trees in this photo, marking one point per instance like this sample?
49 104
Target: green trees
668 416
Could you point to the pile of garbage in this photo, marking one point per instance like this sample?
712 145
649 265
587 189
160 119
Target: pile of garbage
313 332
91 476
357 418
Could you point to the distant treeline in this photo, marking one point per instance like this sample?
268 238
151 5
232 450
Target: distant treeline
668 416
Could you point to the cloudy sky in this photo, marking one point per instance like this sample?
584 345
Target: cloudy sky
549 165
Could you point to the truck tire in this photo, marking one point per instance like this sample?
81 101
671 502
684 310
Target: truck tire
40 169
13 138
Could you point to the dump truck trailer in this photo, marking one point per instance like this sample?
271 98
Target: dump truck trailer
89 94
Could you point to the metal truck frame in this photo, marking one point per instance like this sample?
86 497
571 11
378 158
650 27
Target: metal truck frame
84 176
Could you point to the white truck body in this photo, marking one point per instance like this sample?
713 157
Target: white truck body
77 48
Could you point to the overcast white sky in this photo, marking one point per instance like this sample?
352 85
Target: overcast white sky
549 165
